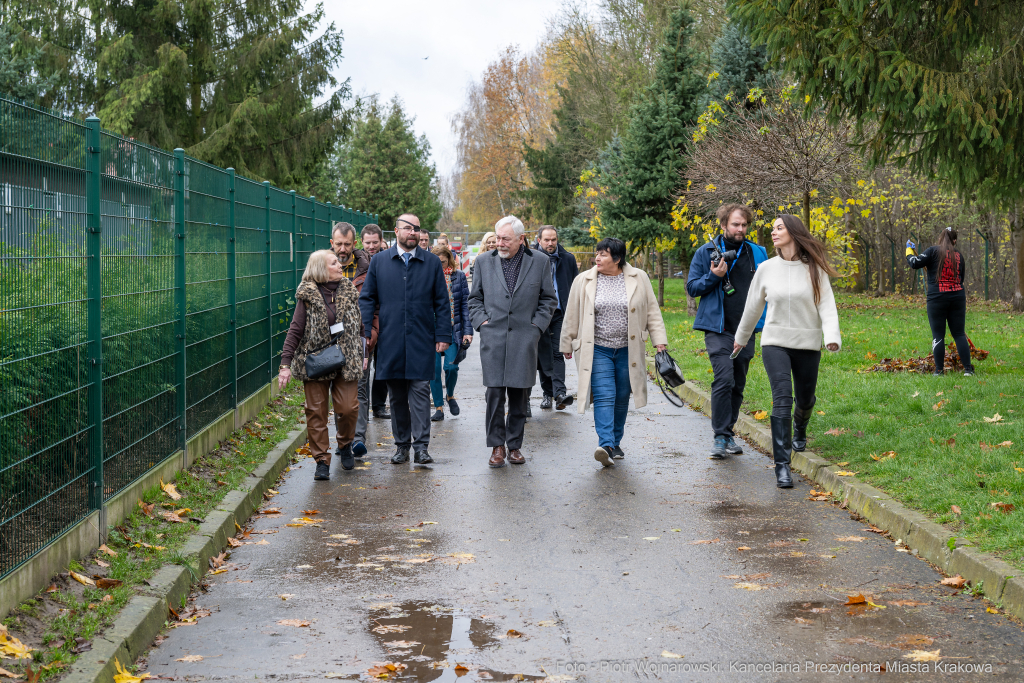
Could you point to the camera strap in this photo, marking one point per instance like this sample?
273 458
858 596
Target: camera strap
727 283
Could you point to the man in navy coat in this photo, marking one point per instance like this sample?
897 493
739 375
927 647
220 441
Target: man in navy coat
407 284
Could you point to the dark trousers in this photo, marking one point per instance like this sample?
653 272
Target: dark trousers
410 413
550 362
501 431
730 379
378 388
949 308
791 372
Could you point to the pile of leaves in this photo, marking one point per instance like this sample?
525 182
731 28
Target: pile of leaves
926 364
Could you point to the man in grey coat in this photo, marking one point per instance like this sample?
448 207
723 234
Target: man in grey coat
511 304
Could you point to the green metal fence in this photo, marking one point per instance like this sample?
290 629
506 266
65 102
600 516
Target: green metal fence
143 295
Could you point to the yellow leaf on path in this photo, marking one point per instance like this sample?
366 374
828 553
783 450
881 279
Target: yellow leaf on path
285 596
760 414
992 610
151 547
749 586
651 538
103 548
190 658
923 656
842 464
217 571
743 547
995 418
844 473
123 676
851 539
293 622
7 674
670 655
84 580
170 490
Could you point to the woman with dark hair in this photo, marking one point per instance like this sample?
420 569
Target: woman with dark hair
947 300
801 309
462 332
611 313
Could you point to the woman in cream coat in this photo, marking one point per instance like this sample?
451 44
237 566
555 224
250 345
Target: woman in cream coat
611 313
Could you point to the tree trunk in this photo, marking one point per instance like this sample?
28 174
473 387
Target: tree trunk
661 279
807 209
1018 294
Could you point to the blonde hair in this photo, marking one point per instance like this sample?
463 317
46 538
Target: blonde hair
446 255
487 236
316 266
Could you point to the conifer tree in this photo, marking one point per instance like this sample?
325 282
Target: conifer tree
739 64
647 174
384 168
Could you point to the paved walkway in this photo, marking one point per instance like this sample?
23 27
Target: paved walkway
668 566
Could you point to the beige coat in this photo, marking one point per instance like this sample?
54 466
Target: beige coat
644 323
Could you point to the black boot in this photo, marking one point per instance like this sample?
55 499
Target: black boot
800 419
781 445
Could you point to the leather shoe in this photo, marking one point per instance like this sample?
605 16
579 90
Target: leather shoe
437 416
422 458
545 403
563 400
323 471
515 456
497 457
382 414
400 457
348 461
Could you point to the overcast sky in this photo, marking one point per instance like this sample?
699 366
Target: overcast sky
427 52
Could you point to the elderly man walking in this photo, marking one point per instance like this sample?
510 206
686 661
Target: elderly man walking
373 244
407 285
550 362
511 304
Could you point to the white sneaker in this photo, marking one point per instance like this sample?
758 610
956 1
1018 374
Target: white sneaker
603 457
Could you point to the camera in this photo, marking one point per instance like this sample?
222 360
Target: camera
727 256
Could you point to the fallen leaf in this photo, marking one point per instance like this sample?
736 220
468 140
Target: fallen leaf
105 565
908 603
820 412
401 643
743 547
293 622
104 549
749 586
84 580
390 628
171 517
819 495
512 633
995 418
385 669
954 581
146 509
713 540
851 539
546 623
858 599
844 473
170 490
955 509
842 464
760 414
12 648
234 543
460 669
311 512
874 529
108 583
923 656
915 394
7 674
1005 508
670 655
651 538
123 676
190 658
218 560
992 610
838 431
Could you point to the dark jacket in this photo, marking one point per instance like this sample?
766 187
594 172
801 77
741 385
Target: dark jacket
565 272
362 266
701 282
413 309
460 295
947 280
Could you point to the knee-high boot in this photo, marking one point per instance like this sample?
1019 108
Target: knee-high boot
781 445
801 417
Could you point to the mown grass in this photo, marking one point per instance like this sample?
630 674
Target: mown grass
942 458
53 620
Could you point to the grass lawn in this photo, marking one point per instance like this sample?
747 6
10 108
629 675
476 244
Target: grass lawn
946 453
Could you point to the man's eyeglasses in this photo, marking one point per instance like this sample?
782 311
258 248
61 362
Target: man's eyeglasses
412 226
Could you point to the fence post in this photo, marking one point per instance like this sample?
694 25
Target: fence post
295 245
94 270
179 296
986 261
232 291
270 282
312 218
330 220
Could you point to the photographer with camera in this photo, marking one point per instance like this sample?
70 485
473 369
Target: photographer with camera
720 274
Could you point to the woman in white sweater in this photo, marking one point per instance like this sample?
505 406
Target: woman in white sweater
801 309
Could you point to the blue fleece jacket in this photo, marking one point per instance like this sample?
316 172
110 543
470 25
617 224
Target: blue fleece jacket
701 282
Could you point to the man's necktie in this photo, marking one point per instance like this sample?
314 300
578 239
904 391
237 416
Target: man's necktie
405 257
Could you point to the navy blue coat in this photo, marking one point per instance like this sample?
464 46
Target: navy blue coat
705 284
460 295
414 312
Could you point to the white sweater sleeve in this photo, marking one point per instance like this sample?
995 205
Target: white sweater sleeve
752 309
828 313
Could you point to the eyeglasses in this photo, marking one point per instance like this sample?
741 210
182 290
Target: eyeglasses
412 226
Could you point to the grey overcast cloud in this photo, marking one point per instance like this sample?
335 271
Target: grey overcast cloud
428 52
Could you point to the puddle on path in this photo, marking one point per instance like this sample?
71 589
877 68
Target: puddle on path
437 642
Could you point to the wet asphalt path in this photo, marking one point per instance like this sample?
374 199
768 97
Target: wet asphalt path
604 573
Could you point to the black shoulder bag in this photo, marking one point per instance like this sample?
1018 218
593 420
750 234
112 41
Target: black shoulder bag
670 374
325 361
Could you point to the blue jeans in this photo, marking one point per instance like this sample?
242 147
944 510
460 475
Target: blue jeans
609 392
451 374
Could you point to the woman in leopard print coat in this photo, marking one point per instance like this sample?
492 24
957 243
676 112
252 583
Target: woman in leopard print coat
323 299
